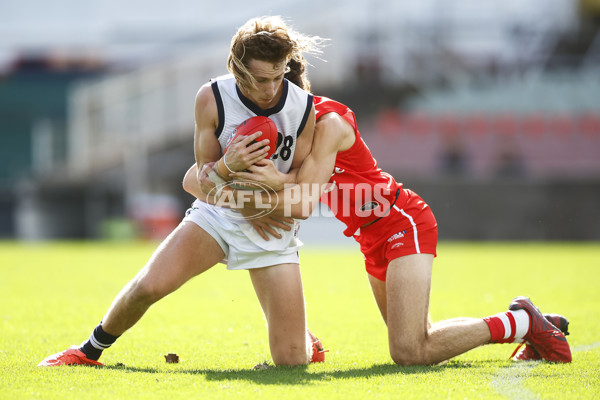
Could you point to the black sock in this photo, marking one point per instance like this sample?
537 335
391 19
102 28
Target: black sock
97 343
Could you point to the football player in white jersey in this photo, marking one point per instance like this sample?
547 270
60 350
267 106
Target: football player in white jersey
260 52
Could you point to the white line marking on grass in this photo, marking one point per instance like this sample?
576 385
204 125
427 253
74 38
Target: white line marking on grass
509 381
586 347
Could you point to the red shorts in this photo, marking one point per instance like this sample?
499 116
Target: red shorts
411 229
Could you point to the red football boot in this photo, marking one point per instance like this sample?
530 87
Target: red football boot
528 353
72 356
546 339
318 353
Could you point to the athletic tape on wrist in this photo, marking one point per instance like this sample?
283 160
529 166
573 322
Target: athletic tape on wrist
215 178
218 181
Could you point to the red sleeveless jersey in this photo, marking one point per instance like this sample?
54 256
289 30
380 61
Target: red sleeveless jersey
358 191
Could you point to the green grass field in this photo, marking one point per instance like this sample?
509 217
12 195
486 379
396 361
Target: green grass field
54 294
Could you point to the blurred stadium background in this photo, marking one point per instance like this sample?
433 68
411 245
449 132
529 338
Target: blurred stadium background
489 109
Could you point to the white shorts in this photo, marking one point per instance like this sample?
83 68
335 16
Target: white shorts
242 245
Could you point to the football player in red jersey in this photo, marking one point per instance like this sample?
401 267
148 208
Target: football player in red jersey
397 233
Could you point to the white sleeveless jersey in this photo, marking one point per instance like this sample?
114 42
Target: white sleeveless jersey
290 115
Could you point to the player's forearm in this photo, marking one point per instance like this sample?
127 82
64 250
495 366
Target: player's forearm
296 201
192 186
195 191
222 169
292 176
299 200
284 180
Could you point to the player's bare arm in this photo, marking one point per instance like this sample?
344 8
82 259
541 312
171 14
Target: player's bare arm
332 134
274 179
263 225
206 145
265 171
305 140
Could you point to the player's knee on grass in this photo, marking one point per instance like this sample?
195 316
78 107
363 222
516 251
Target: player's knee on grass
407 354
290 355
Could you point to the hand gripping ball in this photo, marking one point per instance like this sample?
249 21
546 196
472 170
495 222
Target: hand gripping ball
255 124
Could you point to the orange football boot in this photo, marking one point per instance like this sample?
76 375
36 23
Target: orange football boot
71 356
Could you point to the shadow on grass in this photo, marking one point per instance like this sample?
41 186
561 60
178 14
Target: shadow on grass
299 375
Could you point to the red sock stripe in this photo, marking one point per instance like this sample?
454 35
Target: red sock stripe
496 328
513 327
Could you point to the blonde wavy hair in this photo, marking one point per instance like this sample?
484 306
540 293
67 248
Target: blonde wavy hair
270 39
